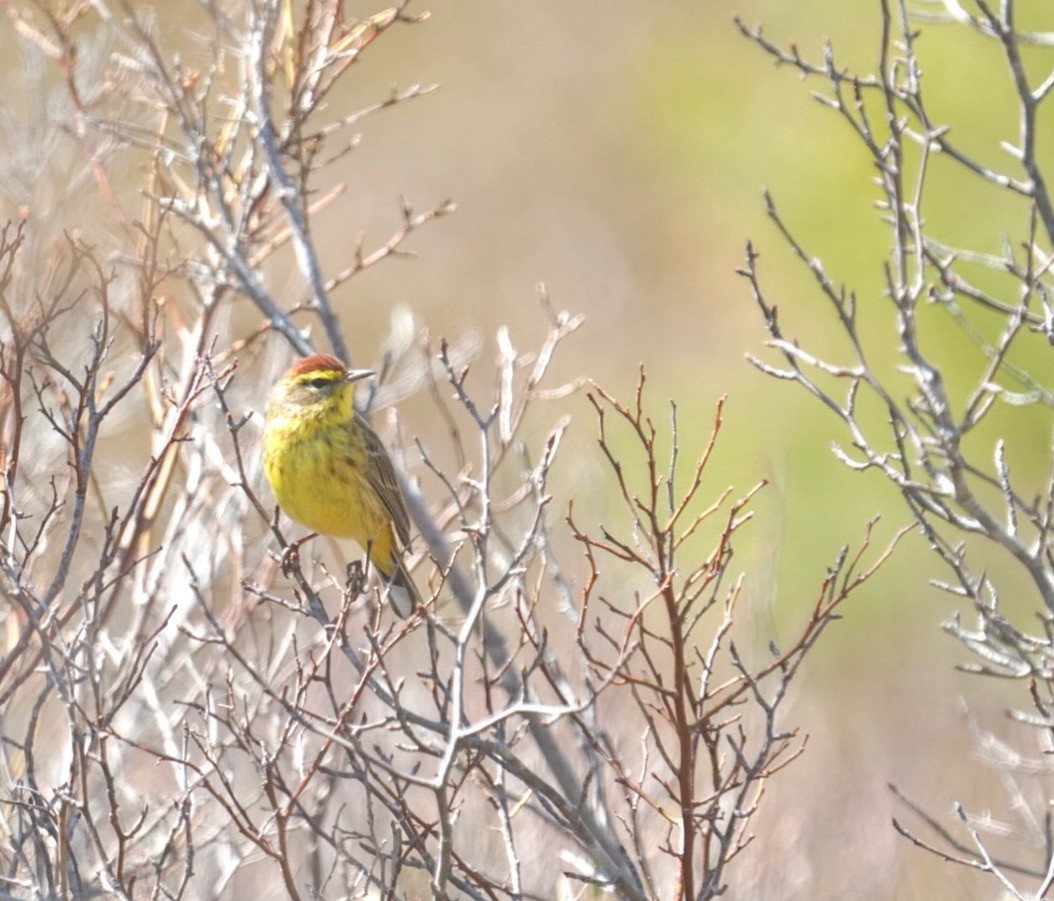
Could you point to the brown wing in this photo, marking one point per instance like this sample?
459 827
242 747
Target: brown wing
381 476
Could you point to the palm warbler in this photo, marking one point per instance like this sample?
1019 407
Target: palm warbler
329 471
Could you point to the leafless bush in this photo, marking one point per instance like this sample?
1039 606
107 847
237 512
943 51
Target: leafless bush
191 710
938 446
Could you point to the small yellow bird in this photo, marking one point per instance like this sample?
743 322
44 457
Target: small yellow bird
329 471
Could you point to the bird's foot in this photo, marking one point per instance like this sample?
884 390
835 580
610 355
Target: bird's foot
290 560
355 581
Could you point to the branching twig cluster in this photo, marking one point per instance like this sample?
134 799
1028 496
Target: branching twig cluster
936 446
708 717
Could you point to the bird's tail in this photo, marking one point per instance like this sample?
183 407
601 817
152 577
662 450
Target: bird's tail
402 592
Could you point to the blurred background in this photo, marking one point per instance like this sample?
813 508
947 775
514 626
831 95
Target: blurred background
617 153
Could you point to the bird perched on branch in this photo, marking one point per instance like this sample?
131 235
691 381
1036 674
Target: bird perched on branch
329 471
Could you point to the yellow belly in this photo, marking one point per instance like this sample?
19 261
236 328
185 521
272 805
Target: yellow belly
319 480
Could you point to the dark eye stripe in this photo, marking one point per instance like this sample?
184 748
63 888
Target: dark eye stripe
320 383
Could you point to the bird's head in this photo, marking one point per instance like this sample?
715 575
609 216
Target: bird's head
320 384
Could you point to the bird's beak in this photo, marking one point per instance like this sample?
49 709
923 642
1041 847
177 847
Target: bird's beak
355 374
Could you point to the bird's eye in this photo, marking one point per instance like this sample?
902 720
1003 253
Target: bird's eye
319 384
